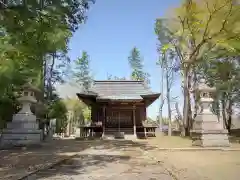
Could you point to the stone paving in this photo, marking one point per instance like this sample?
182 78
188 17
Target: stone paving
100 163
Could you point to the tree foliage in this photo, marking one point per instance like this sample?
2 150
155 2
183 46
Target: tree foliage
167 62
82 71
115 78
34 38
58 111
80 113
136 64
196 30
223 73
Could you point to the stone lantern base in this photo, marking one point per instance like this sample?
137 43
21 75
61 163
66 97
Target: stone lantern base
21 133
210 138
209 132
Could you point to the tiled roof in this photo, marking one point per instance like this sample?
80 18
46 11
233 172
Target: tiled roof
121 97
120 89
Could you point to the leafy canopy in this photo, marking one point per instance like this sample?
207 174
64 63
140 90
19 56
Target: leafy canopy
200 26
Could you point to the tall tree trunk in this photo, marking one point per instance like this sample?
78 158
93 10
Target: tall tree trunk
169 105
229 115
179 118
161 100
190 121
42 77
186 100
194 94
49 81
226 111
223 108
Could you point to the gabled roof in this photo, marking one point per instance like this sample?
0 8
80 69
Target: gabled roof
119 90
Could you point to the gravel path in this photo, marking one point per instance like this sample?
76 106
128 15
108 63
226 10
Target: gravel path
100 163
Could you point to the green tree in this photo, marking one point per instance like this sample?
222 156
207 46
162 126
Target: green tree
58 111
82 71
115 78
223 73
136 63
80 112
196 28
49 24
165 121
70 12
168 62
34 43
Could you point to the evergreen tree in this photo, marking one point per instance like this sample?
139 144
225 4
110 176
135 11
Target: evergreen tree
82 71
58 111
136 64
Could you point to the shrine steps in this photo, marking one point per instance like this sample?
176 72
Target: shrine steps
112 131
122 133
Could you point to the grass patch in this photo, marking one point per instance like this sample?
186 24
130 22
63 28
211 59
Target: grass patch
163 141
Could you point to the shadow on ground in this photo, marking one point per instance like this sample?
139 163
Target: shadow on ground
83 164
17 163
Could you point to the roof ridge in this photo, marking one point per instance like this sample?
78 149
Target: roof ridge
103 81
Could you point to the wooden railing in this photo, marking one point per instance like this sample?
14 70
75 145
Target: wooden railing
90 131
146 131
94 131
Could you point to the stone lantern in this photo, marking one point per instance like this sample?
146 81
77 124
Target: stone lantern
26 100
23 130
207 130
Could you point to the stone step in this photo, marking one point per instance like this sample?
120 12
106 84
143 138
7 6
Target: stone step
108 137
22 125
130 137
121 129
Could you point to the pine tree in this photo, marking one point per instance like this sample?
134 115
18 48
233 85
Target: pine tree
82 71
136 64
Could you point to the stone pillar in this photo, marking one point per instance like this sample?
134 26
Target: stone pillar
207 130
23 130
134 121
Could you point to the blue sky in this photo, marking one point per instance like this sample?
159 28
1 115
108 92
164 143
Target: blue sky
113 28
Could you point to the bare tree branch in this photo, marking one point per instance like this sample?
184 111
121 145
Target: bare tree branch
224 22
204 39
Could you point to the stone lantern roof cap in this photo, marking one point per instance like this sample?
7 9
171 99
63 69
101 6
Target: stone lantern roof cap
30 87
202 86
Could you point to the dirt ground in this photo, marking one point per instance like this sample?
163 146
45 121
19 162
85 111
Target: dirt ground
127 162
182 165
211 165
96 159
201 164
163 141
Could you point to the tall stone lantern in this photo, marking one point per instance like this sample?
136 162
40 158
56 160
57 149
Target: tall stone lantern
23 130
207 130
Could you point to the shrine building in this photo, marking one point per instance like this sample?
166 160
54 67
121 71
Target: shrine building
118 106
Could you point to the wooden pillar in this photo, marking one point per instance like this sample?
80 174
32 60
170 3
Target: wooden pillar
104 120
145 132
134 121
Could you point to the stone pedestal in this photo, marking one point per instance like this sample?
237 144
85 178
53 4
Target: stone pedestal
208 131
24 129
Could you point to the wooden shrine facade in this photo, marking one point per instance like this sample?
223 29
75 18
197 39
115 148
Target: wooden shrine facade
118 106
119 116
